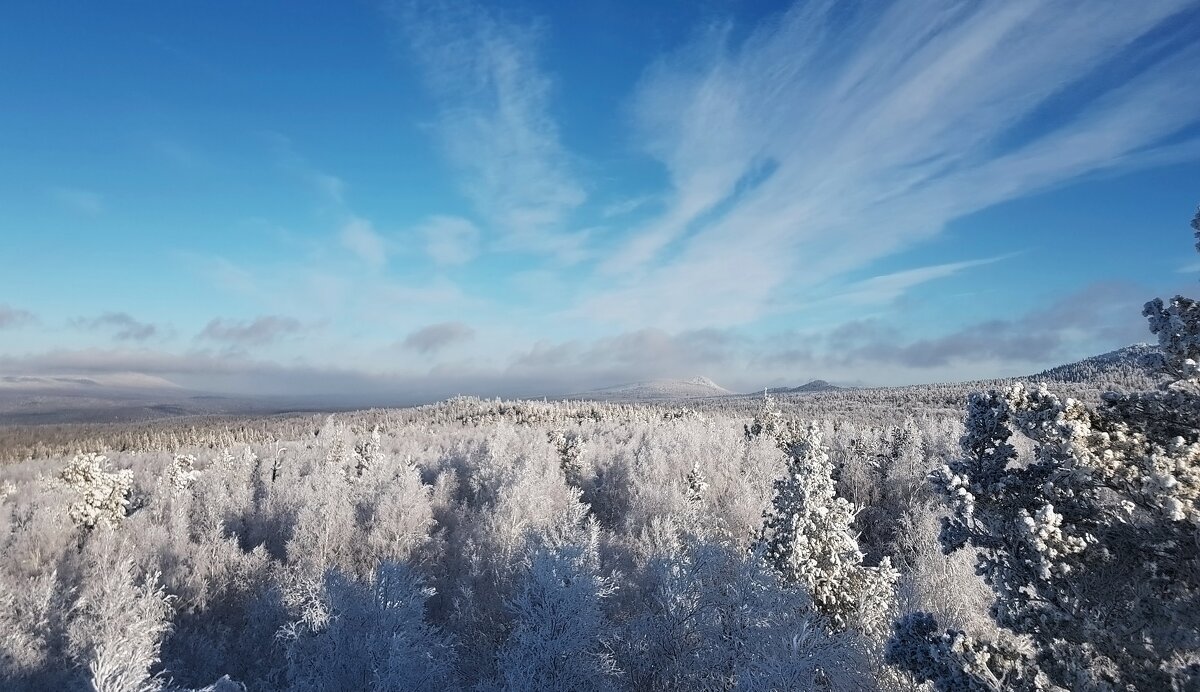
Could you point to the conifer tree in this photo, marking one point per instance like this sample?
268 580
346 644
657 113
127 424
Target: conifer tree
102 496
807 537
1090 545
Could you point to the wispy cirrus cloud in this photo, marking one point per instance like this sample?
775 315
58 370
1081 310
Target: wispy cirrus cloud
839 133
494 121
886 288
793 155
450 240
355 233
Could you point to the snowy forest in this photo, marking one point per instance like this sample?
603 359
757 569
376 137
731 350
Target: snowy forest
1017 535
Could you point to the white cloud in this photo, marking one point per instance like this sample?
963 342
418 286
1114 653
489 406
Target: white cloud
625 206
359 236
450 239
1097 318
798 153
886 288
834 136
495 122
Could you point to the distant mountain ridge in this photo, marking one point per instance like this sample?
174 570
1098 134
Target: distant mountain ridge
808 387
128 397
694 388
129 381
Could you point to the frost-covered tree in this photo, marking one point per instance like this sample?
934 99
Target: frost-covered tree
560 639
28 612
338 450
471 493
1090 544
321 537
369 452
101 495
374 636
768 421
807 539
714 618
696 484
570 447
181 474
118 622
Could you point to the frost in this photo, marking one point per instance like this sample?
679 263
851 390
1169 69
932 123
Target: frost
807 535
1089 543
102 496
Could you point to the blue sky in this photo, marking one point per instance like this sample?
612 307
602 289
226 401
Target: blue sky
430 198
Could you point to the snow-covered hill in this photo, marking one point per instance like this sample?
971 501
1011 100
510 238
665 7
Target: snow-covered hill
1124 367
130 381
694 388
813 386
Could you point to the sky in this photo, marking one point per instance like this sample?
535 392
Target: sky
421 199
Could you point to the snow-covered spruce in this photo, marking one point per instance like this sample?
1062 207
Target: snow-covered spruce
807 536
101 495
181 474
1090 544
